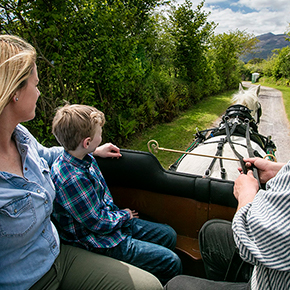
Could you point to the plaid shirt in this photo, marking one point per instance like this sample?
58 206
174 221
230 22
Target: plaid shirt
83 207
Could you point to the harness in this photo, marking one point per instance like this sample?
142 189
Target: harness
237 121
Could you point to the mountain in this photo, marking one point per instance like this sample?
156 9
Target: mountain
267 43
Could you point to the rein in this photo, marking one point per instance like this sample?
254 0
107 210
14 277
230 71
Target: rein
251 151
240 157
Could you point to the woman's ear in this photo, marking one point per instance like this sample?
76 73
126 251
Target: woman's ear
15 97
86 142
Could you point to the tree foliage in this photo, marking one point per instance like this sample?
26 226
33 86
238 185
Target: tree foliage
89 52
277 67
138 66
226 49
191 32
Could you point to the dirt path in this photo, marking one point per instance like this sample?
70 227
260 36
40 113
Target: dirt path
274 121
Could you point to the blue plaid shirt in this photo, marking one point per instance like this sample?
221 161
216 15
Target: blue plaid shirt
83 207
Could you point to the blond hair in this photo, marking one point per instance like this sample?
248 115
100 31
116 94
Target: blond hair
73 123
17 59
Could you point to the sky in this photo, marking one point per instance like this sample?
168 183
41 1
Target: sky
252 16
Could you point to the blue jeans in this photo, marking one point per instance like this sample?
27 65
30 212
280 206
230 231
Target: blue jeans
150 247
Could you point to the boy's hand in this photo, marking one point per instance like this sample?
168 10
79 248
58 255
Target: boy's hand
107 150
133 213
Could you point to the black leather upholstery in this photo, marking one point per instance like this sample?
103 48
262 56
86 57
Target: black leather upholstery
142 170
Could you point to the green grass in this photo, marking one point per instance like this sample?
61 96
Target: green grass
179 133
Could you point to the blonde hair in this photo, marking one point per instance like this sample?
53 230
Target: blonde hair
73 123
17 59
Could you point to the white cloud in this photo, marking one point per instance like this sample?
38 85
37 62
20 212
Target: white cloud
257 23
259 5
208 1
257 17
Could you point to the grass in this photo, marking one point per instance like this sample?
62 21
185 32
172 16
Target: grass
179 133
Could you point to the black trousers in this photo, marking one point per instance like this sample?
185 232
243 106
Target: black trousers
223 266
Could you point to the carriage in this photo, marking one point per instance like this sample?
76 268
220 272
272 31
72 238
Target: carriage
185 200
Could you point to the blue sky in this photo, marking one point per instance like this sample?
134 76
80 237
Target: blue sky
253 16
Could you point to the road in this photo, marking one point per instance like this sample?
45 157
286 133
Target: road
274 121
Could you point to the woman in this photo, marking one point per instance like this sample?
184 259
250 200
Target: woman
31 255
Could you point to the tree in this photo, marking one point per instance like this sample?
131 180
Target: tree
226 49
191 32
88 52
279 64
138 67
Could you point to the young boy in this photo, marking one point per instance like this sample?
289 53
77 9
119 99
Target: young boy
84 208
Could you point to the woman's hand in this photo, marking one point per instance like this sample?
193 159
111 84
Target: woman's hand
107 150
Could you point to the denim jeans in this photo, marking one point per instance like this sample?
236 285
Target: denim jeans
150 247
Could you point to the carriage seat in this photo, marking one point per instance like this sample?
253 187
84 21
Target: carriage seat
184 201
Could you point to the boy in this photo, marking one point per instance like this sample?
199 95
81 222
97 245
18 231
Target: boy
84 208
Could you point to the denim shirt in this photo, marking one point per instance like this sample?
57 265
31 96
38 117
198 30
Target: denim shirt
29 242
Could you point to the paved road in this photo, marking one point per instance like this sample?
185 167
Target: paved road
274 121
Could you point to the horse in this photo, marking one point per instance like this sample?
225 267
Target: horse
250 99
235 137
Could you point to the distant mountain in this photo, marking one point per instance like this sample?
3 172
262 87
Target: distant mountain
268 42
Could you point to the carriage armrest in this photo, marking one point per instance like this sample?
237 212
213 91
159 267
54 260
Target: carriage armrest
188 246
188 250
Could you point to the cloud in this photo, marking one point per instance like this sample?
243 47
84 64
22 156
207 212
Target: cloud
254 22
256 17
259 5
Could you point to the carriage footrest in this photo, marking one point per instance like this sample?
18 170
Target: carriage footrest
188 246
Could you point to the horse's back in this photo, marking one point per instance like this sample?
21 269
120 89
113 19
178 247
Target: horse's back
239 120
199 165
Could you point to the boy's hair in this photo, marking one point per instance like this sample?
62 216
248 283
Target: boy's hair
73 123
